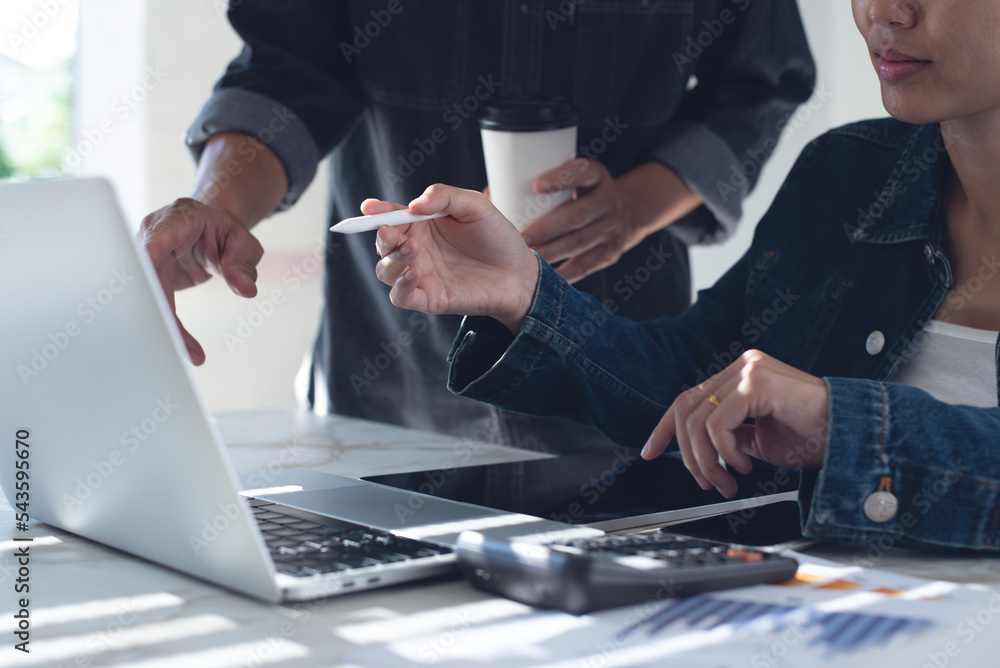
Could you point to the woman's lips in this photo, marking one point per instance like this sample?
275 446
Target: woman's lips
895 66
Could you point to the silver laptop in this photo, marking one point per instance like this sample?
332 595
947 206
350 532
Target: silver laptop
95 383
120 447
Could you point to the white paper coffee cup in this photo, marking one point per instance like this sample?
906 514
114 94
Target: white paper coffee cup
522 139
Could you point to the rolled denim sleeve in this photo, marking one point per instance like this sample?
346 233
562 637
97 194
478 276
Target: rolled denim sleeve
291 88
573 359
941 463
750 79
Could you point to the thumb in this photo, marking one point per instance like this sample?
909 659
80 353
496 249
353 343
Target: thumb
372 206
465 206
238 260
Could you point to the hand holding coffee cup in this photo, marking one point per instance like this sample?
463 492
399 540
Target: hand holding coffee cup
607 216
522 139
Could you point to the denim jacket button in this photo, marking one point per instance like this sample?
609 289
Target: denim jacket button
875 342
881 506
929 253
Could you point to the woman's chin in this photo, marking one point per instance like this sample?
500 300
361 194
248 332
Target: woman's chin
908 110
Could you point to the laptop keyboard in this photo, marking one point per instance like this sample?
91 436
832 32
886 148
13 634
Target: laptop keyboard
304 544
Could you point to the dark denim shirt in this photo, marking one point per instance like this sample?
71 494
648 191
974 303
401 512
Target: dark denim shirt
394 91
844 271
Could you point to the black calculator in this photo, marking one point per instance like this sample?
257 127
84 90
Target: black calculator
580 575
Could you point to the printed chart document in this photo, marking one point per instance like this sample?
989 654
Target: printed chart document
828 615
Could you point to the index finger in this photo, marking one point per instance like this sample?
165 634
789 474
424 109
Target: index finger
560 224
663 433
164 272
575 173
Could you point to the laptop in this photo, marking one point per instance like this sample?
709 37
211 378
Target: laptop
121 448
96 386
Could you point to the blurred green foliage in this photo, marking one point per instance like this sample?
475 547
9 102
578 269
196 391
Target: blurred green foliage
6 169
35 120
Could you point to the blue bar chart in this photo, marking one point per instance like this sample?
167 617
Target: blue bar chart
831 633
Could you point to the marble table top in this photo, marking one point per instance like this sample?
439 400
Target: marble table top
94 606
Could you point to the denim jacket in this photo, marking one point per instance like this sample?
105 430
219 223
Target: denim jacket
841 277
393 91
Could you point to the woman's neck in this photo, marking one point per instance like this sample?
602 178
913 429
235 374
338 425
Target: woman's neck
974 150
973 223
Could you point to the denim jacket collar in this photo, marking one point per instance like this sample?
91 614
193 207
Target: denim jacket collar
908 207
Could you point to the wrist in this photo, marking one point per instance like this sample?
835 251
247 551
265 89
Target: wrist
525 284
658 197
248 184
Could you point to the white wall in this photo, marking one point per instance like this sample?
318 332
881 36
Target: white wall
110 122
187 44
846 90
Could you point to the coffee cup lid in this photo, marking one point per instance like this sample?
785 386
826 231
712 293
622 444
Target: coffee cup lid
529 114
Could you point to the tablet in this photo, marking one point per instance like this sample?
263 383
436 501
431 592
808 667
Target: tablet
618 491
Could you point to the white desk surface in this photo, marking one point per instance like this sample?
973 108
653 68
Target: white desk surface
93 606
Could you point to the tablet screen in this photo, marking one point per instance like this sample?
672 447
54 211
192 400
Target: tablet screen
584 489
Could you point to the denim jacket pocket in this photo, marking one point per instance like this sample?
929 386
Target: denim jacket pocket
835 293
773 295
625 59
382 60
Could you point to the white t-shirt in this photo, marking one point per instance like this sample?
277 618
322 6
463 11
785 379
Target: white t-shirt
954 364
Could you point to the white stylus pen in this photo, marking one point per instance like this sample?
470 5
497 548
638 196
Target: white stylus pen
368 223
